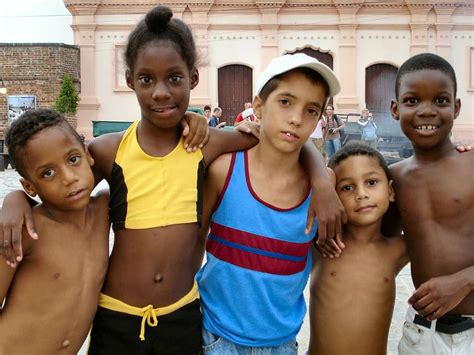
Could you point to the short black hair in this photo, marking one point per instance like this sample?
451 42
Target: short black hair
207 107
312 75
28 125
357 148
425 61
159 24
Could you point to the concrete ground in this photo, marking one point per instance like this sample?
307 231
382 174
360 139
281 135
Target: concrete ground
9 182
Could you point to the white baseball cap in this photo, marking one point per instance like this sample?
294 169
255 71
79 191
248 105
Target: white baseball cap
287 62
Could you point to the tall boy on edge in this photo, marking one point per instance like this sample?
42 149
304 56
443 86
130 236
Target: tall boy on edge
435 199
51 298
258 260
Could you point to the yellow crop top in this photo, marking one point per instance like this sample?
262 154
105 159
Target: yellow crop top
148 192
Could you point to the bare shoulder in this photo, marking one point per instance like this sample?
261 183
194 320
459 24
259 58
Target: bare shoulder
398 169
219 168
103 149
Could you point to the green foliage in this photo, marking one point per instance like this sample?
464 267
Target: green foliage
68 99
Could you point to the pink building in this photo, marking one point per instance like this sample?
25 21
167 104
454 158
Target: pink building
363 41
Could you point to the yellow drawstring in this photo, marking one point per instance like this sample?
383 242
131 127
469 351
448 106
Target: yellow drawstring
149 315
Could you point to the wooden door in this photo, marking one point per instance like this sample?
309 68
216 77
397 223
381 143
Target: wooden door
234 89
379 92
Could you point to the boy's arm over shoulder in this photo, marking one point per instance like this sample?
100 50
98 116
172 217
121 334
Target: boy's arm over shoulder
7 273
225 141
398 245
103 149
216 176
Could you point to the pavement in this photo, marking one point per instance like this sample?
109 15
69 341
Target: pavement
9 181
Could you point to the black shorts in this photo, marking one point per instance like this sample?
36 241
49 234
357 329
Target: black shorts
116 333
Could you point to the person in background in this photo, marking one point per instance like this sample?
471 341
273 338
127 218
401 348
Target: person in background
368 128
207 113
332 125
246 115
318 139
214 120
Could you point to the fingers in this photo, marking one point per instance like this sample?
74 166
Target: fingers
339 241
30 227
329 249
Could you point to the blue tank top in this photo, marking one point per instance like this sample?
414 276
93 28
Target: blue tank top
258 263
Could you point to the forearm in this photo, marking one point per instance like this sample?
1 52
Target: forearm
466 278
15 196
315 166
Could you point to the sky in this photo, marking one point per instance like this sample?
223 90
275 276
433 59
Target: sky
35 21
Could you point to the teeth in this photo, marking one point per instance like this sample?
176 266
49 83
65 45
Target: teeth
426 127
288 134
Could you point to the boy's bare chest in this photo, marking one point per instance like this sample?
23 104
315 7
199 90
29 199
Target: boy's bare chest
435 192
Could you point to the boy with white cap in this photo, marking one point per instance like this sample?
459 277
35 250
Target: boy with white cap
259 260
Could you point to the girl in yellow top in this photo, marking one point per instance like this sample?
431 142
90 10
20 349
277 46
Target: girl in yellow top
150 302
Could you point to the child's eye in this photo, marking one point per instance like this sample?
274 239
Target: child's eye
346 188
144 79
284 102
442 100
175 78
411 100
75 159
48 173
372 182
313 112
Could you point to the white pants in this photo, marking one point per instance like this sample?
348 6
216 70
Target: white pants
418 339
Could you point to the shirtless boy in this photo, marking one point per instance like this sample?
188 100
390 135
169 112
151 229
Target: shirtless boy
435 197
352 297
51 298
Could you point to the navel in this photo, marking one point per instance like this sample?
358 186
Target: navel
332 273
66 343
56 275
158 278
385 279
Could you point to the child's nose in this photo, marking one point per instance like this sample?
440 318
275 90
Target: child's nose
69 176
427 109
296 118
160 91
361 193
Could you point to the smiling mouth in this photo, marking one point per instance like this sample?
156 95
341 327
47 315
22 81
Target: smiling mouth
365 208
291 135
163 109
425 128
75 193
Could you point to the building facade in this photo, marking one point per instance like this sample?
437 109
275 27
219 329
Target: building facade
363 41
34 71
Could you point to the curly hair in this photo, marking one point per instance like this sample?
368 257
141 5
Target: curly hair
357 148
28 125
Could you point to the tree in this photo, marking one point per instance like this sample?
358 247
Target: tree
68 99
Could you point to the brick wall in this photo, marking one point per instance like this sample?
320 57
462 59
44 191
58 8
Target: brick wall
36 69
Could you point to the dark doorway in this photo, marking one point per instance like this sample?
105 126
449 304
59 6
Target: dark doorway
234 89
379 92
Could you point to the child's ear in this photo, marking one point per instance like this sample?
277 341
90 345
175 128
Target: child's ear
129 79
457 108
257 107
391 191
394 110
28 187
89 157
194 78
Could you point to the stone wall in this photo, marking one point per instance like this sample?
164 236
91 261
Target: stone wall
36 69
